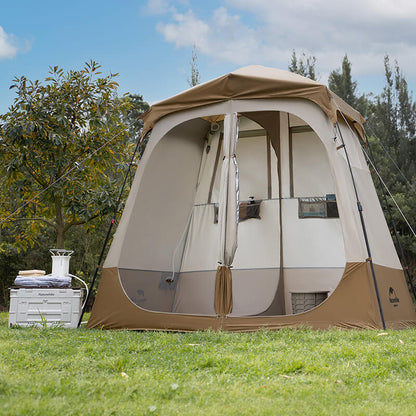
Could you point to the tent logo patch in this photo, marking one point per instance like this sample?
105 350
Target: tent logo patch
393 297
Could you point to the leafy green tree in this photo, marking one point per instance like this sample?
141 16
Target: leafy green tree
131 119
63 143
305 65
8 270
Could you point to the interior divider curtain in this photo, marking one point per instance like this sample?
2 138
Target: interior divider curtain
227 217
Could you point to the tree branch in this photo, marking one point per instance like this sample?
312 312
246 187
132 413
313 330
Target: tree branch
31 172
34 219
79 222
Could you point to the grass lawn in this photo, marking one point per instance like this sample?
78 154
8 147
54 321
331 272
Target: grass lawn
289 372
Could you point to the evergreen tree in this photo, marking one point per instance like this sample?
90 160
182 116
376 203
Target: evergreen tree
195 77
305 65
393 125
341 83
395 114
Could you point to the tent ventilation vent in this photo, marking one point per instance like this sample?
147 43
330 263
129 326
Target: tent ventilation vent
302 302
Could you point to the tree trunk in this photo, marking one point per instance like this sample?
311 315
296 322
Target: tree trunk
59 225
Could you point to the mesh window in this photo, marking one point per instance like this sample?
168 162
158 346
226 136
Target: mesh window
318 207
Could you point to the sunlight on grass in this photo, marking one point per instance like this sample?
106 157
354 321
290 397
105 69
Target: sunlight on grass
289 372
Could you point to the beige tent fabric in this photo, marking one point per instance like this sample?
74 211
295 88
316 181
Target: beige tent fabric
177 155
255 81
272 125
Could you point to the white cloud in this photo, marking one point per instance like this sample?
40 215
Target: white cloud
265 32
8 48
186 30
222 35
365 30
159 7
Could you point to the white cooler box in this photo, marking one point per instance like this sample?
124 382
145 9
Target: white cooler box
49 306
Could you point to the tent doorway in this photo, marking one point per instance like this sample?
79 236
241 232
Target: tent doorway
287 243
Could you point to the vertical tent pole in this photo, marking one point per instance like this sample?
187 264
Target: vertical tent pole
113 220
360 211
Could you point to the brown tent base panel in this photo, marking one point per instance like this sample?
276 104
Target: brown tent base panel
351 306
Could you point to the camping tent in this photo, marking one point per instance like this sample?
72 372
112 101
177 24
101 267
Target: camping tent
253 207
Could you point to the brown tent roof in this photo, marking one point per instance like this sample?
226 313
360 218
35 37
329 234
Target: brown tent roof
256 82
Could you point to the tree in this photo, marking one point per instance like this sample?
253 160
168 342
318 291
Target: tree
62 144
392 125
395 114
131 118
195 78
341 83
305 65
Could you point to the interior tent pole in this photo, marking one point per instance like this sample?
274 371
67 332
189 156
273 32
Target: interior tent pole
360 211
278 305
393 223
113 220
228 214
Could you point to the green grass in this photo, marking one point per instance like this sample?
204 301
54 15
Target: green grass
289 372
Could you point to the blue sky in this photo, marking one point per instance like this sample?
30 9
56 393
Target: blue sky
149 42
